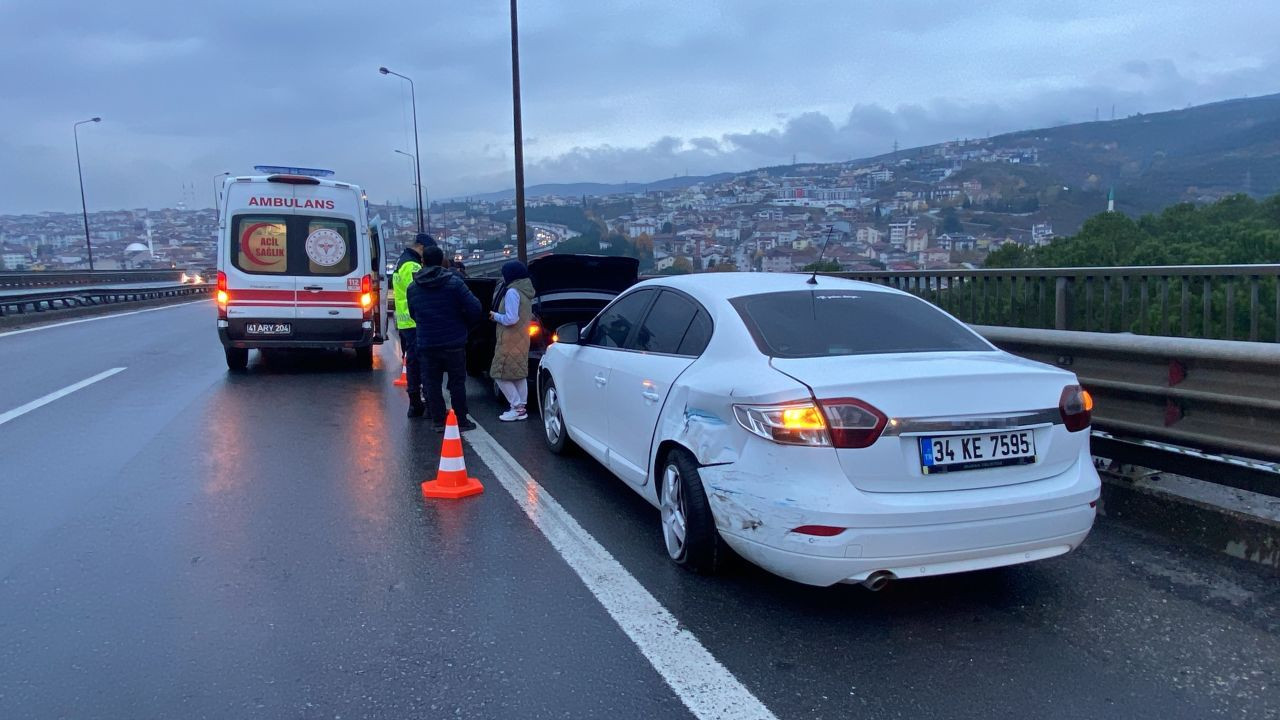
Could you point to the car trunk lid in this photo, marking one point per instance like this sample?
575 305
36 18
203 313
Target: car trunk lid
967 397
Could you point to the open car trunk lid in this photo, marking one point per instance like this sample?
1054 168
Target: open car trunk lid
557 274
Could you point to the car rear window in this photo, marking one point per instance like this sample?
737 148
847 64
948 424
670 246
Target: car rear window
822 323
293 245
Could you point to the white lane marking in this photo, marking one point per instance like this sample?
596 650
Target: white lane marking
41 402
705 686
99 317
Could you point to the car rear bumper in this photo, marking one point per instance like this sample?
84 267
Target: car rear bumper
307 333
919 551
910 534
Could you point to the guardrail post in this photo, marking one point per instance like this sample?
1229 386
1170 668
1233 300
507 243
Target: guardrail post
1061 302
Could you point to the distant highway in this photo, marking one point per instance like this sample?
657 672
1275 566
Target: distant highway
177 541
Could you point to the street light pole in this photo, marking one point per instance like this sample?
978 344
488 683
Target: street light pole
416 150
417 190
84 209
522 251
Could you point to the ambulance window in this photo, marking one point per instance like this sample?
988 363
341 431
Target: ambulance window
260 244
328 247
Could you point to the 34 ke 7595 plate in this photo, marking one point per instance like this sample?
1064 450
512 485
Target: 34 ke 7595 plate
981 450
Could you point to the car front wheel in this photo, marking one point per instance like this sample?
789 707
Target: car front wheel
688 527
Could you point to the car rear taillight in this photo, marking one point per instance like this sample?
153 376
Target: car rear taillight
223 297
534 329
366 292
1076 407
798 423
853 423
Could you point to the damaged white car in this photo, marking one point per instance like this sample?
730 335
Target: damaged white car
827 430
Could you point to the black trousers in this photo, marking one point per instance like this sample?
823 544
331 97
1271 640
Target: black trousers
412 371
436 363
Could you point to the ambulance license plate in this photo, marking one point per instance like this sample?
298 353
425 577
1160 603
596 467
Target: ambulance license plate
268 328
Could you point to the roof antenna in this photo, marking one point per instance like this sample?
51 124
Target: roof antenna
813 279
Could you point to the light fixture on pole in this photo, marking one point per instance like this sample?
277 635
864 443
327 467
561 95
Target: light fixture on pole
416 150
84 209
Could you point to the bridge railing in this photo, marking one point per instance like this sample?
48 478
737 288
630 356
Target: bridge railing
1225 302
70 278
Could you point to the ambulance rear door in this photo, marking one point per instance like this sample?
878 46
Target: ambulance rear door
331 270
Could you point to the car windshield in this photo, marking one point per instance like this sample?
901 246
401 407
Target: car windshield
821 323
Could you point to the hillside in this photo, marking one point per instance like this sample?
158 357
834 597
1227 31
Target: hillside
601 189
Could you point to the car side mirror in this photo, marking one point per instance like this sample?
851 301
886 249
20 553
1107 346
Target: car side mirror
569 334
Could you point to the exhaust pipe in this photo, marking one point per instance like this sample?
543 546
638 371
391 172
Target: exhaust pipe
877 580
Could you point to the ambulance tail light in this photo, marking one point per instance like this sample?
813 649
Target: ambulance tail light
366 292
222 296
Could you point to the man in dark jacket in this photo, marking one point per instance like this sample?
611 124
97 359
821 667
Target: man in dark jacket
445 311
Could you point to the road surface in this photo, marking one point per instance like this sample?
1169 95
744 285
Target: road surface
177 541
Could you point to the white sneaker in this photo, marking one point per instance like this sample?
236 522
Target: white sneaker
513 415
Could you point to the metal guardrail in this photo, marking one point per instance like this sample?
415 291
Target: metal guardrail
1215 396
1226 302
42 301
62 278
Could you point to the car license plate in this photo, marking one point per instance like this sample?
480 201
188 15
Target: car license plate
268 328
972 452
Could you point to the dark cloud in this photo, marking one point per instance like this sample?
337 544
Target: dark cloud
613 90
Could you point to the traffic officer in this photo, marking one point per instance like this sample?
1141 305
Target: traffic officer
409 263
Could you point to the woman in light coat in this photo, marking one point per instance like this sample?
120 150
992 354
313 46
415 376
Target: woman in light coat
512 311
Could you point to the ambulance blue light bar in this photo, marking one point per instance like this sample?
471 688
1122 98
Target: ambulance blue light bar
286 170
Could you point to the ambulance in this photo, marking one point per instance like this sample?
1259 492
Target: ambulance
300 265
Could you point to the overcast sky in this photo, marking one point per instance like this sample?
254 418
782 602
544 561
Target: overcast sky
613 90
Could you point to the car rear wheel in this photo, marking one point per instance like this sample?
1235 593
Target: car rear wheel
688 528
554 431
237 358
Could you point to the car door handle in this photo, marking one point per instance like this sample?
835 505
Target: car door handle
601 380
650 396
312 288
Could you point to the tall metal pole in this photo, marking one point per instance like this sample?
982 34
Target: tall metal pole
417 190
84 209
521 241
417 153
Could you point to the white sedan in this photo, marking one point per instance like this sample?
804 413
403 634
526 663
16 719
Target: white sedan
830 432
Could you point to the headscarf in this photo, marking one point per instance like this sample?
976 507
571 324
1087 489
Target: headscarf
514 270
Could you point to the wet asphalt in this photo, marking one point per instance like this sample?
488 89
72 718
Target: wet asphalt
177 541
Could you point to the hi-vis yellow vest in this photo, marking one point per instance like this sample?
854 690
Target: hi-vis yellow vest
399 286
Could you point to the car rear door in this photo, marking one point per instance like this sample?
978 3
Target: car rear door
261 291
584 387
642 375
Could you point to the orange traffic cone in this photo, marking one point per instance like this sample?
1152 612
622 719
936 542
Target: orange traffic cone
452 481
403 380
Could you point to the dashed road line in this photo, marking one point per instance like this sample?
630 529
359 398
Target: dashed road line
41 402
